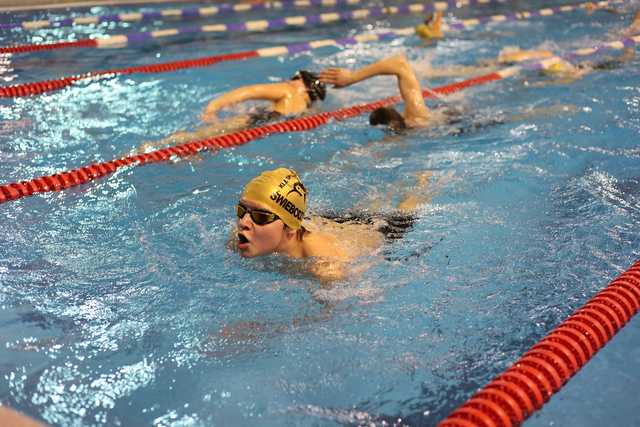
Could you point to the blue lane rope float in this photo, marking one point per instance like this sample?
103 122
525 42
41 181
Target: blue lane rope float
123 40
35 88
178 14
466 24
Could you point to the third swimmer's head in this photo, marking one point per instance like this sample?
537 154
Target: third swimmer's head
387 116
315 88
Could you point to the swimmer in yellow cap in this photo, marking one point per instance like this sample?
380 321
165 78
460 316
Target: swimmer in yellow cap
431 28
563 71
291 97
270 214
272 218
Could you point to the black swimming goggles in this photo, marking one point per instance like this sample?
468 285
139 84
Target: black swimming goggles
258 216
315 88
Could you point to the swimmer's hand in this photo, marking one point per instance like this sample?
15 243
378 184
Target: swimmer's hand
328 271
338 77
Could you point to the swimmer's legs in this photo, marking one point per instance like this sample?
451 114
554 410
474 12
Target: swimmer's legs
551 110
232 124
424 190
419 194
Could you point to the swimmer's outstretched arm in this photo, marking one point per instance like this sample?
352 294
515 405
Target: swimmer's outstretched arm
516 55
456 70
415 108
266 92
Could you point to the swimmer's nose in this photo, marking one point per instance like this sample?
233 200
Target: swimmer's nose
245 222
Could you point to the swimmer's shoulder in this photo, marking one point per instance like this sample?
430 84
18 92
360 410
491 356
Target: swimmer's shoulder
346 237
322 244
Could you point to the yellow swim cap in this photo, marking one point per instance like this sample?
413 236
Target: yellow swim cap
423 31
558 67
281 190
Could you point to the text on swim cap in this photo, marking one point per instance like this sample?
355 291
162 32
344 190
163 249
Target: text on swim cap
287 205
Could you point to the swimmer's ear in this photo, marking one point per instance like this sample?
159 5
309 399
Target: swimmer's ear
290 232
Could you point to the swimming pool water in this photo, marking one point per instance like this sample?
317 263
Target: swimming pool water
114 294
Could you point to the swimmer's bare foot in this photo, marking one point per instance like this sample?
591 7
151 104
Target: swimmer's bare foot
419 194
410 203
422 179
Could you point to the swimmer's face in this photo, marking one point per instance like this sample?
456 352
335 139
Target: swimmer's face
257 240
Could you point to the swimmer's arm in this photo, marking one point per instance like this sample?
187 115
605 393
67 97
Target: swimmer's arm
396 66
341 77
455 70
266 92
523 55
431 29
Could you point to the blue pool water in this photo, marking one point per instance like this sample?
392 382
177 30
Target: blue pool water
113 294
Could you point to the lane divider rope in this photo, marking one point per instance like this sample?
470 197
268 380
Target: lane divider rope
530 382
523 15
36 88
123 40
178 14
88 173
85 174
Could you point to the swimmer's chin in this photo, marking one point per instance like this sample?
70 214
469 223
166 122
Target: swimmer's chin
245 251
246 254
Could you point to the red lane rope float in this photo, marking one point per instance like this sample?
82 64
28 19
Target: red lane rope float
524 387
37 88
85 174
85 43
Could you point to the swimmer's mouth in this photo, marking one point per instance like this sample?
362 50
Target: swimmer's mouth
242 239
